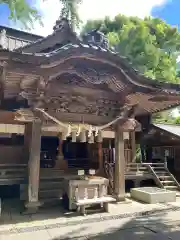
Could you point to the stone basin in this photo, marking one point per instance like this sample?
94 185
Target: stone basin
90 181
153 195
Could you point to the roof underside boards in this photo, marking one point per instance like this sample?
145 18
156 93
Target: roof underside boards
147 105
173 129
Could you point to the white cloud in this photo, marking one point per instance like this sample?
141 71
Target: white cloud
178 59
95 9
175 113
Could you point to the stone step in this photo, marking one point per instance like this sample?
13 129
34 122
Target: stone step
168 183
50 202
171 187
158 168
135 168
165 177
160 172
134 173
47 184
47 189
45 194
51 193
51 185
44 185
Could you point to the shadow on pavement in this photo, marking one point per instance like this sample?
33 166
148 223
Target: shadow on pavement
150 228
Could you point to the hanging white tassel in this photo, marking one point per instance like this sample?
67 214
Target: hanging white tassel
64 135
73 135
91 139
78 131
96 132
69 130
83 136
90 131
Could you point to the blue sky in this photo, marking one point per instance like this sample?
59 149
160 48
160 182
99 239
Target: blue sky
168 10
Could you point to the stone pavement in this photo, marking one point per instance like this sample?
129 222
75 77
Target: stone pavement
126 221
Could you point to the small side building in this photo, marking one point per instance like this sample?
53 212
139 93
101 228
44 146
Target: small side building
164 142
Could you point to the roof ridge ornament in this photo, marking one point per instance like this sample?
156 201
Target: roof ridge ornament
96 36
60 23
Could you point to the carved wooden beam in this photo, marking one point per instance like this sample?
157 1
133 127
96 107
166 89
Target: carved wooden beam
130 125
24 115
51 117
128 110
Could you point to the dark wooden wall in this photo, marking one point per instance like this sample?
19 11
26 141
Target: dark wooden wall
11 154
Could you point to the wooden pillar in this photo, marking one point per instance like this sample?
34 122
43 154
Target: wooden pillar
119 177
33 139
27 136
133 146
100 159
60 162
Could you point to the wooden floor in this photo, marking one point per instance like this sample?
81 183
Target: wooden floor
139 176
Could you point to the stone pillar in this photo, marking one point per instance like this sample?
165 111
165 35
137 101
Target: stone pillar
60 162
119 177
33 140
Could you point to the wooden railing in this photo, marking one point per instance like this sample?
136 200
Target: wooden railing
135 168
12 173
174 179
128 155
130 169
109 154
157 180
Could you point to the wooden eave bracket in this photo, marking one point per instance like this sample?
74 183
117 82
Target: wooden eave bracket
130 125
24 115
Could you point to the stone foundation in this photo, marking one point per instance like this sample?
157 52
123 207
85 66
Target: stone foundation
153 195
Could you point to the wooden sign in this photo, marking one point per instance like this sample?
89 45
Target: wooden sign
92 171
80 172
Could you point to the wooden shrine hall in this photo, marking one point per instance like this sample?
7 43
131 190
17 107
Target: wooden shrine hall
90 98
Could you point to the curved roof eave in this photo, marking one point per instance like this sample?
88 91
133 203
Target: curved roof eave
95 53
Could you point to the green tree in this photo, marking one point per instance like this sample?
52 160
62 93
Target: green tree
177 120
151 45
20 10
70 11
164 117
